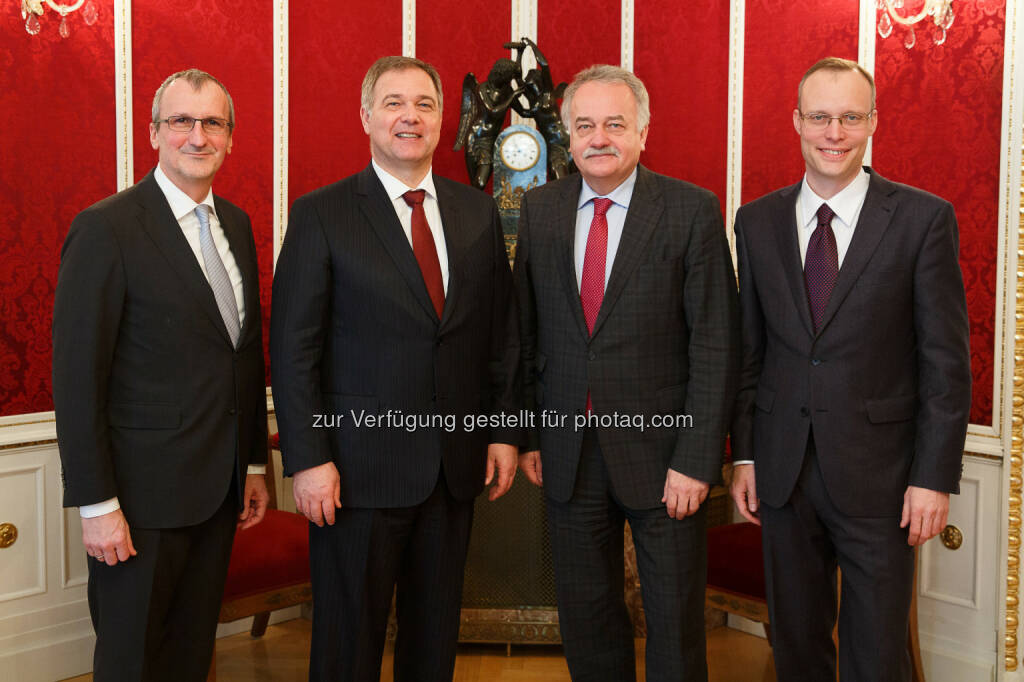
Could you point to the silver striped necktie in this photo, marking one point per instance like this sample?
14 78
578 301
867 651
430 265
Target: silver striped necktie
218 275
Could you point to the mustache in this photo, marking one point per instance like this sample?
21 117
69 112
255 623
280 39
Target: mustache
600 151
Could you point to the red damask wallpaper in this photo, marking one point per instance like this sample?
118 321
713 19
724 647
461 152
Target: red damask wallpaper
783 39
328 58
683 59
457 36
939 120
574 34
234 42
939 110
57 137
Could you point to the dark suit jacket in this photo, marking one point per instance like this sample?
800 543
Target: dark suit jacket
885 384
153 404
666 339
353 331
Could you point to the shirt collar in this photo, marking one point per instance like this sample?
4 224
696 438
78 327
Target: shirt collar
844 204
620 195
395 188
181 203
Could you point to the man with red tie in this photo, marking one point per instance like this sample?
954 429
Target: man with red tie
393 322
855 389
630 340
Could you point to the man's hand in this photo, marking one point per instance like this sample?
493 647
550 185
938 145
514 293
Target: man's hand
529 462
683 494
744 492
317 493
254 501
925 511
107 538
503 458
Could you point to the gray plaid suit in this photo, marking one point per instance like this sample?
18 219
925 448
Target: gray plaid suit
666 342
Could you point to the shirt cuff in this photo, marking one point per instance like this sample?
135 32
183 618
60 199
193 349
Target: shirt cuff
256 469
742 461
91 511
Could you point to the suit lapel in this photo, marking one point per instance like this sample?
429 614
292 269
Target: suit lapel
380 214
456 240
162 227
875 216
565 235
645 210
789 252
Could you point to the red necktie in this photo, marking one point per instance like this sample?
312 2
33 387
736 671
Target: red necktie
821 265
425 250
594 263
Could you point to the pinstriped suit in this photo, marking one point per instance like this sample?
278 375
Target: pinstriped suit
665 342
354 330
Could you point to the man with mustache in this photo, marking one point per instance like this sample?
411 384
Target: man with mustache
630 347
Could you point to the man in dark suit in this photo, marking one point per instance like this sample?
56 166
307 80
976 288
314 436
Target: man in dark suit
855 388
630 346
159 391
393 323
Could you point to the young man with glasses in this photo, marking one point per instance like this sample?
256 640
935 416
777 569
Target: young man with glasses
159 391
855 389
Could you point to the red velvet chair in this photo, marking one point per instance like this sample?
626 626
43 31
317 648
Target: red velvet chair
736 583
269 566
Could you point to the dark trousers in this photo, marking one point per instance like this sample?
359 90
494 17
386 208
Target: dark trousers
155 615
586 546
356 564
803 542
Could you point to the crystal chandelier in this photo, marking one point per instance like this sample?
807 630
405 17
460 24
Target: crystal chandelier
940 11
31 10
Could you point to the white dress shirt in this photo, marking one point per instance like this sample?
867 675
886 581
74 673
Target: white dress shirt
616 217
184 210
395 188
846 204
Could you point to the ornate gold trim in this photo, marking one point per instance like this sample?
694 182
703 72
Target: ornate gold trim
1016 470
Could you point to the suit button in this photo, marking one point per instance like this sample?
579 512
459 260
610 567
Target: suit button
804 412
231 411
593 356
815 362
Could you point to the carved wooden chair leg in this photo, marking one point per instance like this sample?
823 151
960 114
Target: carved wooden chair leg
259 624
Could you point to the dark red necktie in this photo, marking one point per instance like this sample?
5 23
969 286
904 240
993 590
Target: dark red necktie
821 266
594 264
425 250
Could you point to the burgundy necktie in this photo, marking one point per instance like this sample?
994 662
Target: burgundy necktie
594 264
821 265
425 250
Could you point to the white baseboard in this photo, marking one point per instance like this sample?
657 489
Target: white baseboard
243 625
745 625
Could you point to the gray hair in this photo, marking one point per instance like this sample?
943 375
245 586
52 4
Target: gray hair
605 73
396 63
196 79
836 65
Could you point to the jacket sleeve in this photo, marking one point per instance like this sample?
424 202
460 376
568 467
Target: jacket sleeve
299 322
86 316
712 316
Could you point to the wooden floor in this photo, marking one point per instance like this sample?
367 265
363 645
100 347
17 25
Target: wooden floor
282 655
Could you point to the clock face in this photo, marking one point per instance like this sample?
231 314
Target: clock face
520 151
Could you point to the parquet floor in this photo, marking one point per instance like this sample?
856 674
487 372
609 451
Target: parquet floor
282 655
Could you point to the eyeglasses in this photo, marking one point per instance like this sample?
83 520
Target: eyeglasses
851 120
185 124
